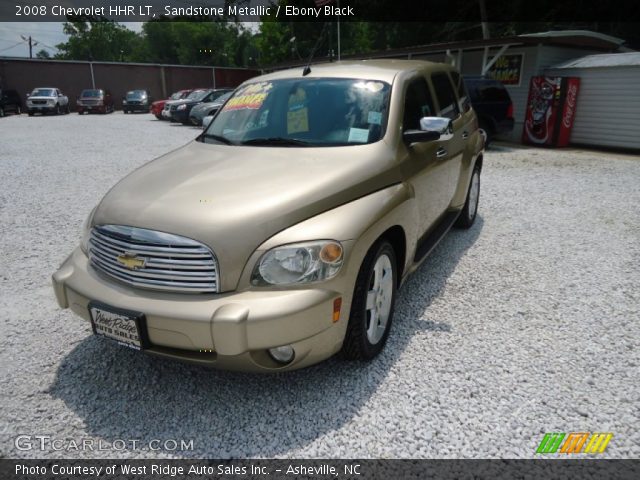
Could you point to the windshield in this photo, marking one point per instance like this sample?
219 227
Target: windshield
136 94
197 95
303 111
91 93
43 92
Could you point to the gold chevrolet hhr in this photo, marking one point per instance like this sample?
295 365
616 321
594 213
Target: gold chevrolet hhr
281 234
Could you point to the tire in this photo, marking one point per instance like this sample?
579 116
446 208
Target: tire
470 209
19 110
1 112
30 113
374 293
58 111
67 111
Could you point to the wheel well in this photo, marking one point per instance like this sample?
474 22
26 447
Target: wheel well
396 237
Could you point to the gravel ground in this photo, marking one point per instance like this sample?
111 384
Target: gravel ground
527 323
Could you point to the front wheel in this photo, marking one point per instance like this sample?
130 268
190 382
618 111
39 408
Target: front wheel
373 303
58 111
470 209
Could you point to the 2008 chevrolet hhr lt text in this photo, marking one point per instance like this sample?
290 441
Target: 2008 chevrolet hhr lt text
280 236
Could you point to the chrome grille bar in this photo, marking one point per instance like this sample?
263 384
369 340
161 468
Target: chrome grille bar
163 261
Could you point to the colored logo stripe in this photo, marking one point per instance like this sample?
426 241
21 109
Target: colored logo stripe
598 442
574 442
550 443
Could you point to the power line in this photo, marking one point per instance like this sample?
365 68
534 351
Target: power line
9 48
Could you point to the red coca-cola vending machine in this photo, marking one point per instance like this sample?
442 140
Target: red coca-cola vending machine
550 111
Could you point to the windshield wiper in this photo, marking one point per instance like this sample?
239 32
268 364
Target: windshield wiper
277 141
219 138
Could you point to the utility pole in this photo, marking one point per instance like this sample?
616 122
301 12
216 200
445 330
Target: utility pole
32 43
483 20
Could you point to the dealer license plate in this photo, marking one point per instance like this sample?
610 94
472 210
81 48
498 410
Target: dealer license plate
123 326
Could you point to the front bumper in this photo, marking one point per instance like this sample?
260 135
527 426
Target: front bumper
229 330
180 116
91 108
135 107
41 108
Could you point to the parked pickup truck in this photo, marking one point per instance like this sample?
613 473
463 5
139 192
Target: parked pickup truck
47 100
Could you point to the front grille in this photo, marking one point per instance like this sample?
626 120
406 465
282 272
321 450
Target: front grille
90 102
162 261
39 102
134 102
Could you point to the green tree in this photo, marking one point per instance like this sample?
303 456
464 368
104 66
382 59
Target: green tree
43 54
97 38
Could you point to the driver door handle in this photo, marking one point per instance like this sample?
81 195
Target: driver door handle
441 152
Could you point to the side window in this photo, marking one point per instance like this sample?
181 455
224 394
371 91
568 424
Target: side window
417 104
465 103
445 95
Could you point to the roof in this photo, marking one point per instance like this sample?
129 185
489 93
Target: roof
384 70
584 39
631 59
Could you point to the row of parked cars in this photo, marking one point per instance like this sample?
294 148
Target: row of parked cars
490 100
91 100
189 107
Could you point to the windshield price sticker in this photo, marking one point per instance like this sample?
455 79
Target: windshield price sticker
250 97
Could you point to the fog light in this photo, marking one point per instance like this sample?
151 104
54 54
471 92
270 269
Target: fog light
282 354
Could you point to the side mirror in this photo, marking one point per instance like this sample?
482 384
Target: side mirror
206 121
442 125
431 128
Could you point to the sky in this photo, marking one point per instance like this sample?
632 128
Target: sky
48 34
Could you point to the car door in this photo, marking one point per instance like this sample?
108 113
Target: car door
449 152
422 169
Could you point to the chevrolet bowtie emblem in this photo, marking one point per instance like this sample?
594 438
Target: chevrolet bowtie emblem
131 261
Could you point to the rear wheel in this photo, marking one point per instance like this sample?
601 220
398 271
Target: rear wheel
372 305
1 112
470 209
19 110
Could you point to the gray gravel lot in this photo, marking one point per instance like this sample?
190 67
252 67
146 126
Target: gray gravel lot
527 323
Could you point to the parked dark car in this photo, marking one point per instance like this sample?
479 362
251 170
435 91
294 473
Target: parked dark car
207 109
158 105
137 101
181 109
493 105
95 100
10 101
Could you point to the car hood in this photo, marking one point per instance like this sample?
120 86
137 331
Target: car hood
233 198
206 106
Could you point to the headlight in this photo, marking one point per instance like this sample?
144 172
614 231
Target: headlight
86 232
124 102
144 101
299 263
181 107
51 102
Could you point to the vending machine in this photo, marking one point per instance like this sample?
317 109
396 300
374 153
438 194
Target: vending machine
550 110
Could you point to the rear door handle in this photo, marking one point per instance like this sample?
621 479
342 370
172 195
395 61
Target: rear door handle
441 152
465 135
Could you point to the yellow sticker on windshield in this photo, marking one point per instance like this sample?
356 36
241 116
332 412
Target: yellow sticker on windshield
298 113
250 97
298 121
